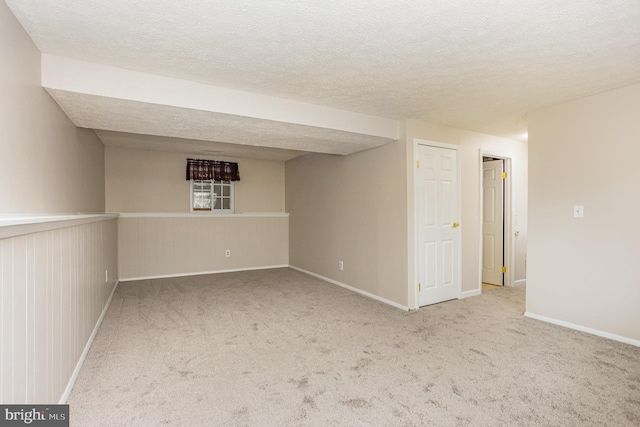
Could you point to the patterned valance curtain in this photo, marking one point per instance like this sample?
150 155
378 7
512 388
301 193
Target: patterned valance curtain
212 169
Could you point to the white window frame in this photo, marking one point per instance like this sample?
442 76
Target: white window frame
212 184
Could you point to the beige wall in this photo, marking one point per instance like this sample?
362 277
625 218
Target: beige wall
586 271
359 209
471 144
351 209
155 246
153 181
47 165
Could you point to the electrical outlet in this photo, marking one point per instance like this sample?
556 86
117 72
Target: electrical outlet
340 265
227 253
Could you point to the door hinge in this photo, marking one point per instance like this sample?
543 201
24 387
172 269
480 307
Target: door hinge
504 175
419 287
504 269
418 164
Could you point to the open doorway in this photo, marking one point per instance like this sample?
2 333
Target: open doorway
495 208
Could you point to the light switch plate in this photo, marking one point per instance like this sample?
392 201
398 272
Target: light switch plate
578 211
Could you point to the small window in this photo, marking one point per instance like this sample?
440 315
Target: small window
211 196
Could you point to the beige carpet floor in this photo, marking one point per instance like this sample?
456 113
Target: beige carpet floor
280 348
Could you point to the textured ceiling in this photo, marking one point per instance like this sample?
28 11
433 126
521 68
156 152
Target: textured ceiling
479 65
152 119
192 146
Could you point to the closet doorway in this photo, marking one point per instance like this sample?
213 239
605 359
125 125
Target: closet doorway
494 177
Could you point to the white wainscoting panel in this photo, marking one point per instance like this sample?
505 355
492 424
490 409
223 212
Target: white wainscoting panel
161 246
53 290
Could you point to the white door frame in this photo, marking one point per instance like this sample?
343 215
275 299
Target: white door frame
508 234
417 142
493 231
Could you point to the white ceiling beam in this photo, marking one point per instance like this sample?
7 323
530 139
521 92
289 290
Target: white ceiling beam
72 75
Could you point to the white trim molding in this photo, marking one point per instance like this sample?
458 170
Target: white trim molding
521 282
581 328
201 273
83 356
352 289
202 215
471 293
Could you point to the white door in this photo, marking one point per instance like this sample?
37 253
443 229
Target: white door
438 228
492 223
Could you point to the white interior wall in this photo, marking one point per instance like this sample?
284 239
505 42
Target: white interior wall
584 272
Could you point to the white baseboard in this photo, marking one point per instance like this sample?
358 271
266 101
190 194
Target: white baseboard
521 282
472 293
83 356
200 273
583 329
351 288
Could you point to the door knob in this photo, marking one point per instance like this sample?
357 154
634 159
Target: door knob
455 224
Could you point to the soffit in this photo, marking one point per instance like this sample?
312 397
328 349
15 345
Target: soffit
120 115
476 65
